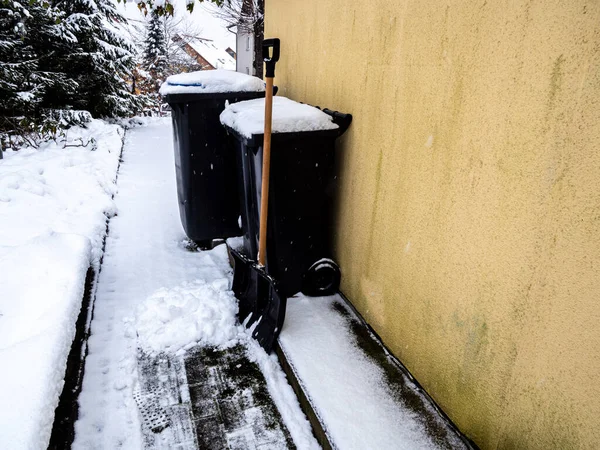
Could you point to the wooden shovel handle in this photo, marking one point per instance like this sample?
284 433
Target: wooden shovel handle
266 167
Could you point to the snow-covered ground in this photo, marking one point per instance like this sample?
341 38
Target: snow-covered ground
357 405
156 294
54 202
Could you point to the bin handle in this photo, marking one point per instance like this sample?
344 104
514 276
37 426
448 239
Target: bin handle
269 57
342 120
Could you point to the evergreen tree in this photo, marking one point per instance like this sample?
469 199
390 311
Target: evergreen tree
14 65
15 62
50 37
99 61
58 60
28 37
155 52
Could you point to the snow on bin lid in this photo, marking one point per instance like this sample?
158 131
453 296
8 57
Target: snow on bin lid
248 117
211 82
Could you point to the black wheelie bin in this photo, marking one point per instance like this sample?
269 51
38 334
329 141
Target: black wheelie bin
205 166
301 190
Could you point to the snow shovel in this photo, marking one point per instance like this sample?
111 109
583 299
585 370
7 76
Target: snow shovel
260 303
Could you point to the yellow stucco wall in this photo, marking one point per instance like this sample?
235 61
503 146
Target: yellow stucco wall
469 213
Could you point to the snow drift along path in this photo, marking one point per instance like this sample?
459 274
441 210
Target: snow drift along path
155 293
54 202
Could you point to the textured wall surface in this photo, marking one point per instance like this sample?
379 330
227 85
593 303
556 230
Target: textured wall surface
468 226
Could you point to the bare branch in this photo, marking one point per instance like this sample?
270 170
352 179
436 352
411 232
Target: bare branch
81 143
243 14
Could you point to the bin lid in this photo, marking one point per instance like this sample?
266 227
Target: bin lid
247 118
217 81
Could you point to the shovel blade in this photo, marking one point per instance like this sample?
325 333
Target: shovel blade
272 314
242 284
260 303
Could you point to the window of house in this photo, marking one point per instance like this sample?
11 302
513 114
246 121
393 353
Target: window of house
248 43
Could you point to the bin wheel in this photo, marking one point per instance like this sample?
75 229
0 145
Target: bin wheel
322 278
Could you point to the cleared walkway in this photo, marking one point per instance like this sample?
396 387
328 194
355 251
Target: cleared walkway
169 366
131 400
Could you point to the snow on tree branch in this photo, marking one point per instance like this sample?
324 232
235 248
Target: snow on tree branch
163 7
246 15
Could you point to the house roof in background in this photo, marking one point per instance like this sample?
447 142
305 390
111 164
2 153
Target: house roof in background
216 56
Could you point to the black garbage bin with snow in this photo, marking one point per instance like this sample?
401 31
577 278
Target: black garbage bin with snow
301 190
205 166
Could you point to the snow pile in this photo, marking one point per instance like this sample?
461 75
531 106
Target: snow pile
201 313
194 312
211 82
60 189
42 286
248 117
346 386
53 207
238 241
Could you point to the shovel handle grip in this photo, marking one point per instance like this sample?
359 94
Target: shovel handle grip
341 119
270 48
